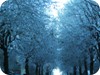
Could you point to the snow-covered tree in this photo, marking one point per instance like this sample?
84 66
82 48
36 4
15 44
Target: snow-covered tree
80 23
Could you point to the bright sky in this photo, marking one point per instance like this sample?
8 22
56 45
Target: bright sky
56 7
53 9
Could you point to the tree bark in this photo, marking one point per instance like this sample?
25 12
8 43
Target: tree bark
47 73
98 51
6 66
47 70
74 70
91 64
37 69
40 70
80 70
85 66
27 66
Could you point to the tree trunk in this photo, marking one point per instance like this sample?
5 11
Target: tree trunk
91 64
27 66
47 71
98 51
41 70
80 70
74 70
37 69
22 69
6 66
85 66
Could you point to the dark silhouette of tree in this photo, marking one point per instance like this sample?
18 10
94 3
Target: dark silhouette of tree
85 67
37 69
74 70
48 70
80 69
27 66
91 60
5 40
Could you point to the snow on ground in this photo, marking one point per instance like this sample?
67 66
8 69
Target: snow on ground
57 71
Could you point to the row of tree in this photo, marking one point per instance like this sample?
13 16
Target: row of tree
25 39
80 37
